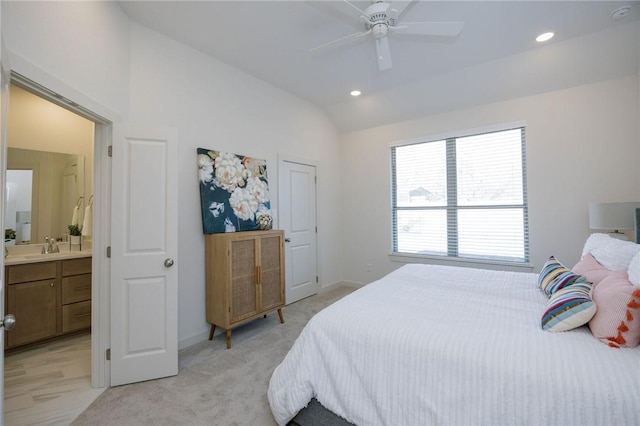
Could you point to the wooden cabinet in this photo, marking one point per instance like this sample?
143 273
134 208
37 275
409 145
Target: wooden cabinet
48 299
244 277
76 294
32 296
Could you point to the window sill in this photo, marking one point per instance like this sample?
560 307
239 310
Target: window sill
459 261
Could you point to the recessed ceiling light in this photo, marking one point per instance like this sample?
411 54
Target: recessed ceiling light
355 93
544 37
621 13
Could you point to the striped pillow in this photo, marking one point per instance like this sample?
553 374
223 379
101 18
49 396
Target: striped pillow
555 276
569 308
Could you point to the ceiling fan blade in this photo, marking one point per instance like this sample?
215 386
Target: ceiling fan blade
340 42
399 8
356 8
384 53
444 29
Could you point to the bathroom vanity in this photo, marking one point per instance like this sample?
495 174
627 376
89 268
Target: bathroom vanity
49 294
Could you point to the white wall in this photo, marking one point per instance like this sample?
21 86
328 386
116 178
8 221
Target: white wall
216 106
77 49
90 53
582 146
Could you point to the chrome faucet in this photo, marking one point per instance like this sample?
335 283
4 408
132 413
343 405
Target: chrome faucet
51 246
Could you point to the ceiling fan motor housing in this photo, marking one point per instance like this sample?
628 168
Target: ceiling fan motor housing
378 21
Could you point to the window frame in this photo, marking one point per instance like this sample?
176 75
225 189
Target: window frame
452 207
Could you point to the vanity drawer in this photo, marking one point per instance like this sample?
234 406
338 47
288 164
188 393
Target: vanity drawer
76 316
31 272
76 266
76 288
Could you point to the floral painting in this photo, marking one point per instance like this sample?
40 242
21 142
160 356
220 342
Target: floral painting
234 192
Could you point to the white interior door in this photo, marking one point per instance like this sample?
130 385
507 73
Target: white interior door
298 220
144 250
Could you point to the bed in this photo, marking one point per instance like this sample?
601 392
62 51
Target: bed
442 345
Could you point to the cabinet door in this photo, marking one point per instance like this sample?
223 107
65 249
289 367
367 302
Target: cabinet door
34 305
244 303
76 288
271 262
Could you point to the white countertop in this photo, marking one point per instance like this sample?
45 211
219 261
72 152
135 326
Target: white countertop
35 258
25 254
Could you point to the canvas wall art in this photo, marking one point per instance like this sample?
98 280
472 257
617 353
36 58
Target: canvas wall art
234 192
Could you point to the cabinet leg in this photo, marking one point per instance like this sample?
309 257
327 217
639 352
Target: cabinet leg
228 339
213 328
280 315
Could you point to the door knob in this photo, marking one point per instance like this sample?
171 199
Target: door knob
287 240
8 322
168 262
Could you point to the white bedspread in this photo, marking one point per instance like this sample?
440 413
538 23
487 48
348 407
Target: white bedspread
431 345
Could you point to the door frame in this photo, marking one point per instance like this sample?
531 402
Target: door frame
101 235
282 158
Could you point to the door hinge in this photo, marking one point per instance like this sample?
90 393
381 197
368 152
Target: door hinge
108 354
316 229
316 279
109 252
110 150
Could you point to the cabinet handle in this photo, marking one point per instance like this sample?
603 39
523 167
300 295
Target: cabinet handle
51 285
258 275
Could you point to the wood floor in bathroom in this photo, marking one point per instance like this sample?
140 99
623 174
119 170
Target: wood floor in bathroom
49 384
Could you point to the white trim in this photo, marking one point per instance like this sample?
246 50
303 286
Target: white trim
101 265
193 339
461 261
100 291
336 284
460 133
43 79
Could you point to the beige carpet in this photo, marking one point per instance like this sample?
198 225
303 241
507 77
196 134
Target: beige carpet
215 385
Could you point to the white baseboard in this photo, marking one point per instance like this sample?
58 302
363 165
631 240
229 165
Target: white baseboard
337 284
193 339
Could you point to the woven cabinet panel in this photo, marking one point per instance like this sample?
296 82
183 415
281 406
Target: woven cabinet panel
243 261
243 298
270 253
271 292
243 280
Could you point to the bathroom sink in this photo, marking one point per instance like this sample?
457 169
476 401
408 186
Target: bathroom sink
44 256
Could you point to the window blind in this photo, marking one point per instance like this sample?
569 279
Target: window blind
462 197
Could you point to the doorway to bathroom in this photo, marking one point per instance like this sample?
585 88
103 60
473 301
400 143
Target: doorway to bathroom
55 140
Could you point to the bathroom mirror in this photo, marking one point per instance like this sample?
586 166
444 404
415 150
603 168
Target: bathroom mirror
42 190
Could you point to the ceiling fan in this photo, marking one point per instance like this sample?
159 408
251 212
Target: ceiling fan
380 20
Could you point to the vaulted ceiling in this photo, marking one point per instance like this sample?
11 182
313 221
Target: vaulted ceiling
495 56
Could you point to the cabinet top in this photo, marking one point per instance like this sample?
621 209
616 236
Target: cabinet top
245 234
37 258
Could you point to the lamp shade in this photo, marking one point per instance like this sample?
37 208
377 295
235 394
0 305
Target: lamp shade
614 216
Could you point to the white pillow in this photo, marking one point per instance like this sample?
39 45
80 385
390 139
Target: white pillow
612 253
634 270
594 240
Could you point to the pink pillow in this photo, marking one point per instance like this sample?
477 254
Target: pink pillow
617 318
589 267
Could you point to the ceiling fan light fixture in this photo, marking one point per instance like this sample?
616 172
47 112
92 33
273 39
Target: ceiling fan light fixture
380 30
544 37
356 93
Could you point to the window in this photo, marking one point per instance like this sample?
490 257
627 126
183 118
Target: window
462 197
